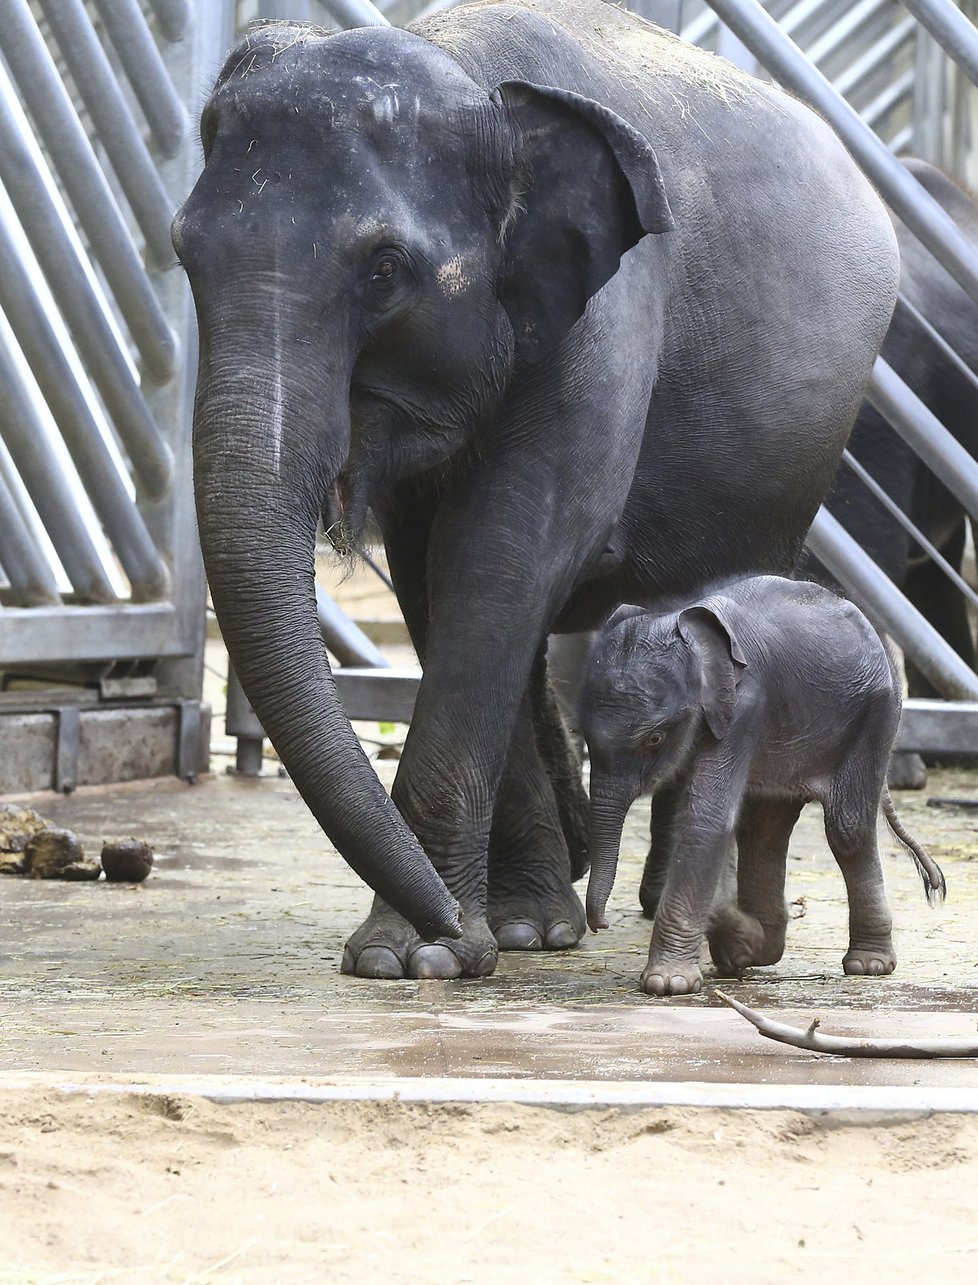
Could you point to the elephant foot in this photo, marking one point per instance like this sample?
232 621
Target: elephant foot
533 922
385 946
906 771
671 977
738 941
870 961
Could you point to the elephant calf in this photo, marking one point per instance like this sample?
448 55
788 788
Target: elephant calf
738 710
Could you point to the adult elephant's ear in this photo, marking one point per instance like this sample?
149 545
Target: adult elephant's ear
717 661
586 188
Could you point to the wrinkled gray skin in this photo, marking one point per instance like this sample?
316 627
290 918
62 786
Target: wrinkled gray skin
584 317
763 696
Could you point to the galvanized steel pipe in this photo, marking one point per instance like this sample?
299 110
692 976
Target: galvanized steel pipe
146 71
919 211
32 582
879 597
95 81
56 380
172 16
355 13
923 431
952 31
42 474
151 457
67 144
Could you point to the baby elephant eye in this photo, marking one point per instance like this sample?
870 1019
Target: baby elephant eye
652 741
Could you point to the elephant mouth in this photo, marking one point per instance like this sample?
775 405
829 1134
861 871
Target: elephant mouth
345 516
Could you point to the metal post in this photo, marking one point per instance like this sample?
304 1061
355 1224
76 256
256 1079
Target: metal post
356 13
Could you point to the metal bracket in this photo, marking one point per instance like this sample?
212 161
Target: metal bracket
188 740
67 719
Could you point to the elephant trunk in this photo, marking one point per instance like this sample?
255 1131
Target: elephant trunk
268 445
607 820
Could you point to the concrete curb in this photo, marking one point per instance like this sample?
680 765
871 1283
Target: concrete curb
567 1095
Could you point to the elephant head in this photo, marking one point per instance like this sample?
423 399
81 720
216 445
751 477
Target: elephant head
655 685
377 246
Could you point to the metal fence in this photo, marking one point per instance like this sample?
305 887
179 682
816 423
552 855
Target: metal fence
102 596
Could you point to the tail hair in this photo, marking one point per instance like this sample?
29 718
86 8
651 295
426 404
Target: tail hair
932 877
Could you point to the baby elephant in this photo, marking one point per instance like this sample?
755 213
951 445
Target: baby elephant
736 712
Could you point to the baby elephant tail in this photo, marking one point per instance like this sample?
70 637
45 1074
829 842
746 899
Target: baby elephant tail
928 869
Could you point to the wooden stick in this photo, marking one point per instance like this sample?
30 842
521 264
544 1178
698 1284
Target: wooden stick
842 1046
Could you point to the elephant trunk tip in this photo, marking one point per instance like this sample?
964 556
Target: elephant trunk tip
596 916
446 921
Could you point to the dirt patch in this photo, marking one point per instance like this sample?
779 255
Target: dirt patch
168 1188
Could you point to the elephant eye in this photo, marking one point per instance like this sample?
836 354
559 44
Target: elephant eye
651 741
386 269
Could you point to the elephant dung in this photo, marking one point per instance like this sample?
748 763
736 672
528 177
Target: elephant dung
17 827
127 862
57 854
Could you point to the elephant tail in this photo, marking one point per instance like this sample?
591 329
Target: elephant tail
930 872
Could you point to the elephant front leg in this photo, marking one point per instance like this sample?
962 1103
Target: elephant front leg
532 905
702 843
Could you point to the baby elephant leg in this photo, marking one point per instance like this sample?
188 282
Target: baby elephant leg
750 930
850 828
664 808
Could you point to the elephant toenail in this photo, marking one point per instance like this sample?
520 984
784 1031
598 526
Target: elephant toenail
562 935
434 962
517 935
376 961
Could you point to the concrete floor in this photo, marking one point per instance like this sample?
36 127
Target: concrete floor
225 963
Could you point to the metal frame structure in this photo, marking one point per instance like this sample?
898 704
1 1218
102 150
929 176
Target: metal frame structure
102 613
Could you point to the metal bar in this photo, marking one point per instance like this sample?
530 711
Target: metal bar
241 721
923 431
56 380
57 125
146 71
937 338
96 82
356 13
378 695
879 54
348 643
919 211
883 602
938 727
121 632
900 143
172 16
952 31
151 457
843 29
32 582
40 470
898 514
900 89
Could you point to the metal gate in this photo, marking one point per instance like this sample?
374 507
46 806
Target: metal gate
102 599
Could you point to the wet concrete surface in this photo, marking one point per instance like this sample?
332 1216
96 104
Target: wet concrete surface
226 963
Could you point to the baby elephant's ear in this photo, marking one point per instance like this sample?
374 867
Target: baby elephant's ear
586 187
717 660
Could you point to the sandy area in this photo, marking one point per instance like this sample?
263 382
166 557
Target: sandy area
176 1189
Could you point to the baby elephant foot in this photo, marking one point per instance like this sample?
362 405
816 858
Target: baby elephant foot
871 961
537 923
671 977
386 946
737 941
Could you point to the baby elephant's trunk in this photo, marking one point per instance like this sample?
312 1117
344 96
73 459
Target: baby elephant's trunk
928 869
604 839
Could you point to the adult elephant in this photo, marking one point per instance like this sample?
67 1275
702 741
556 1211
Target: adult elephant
583 315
